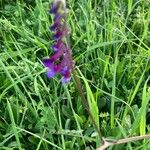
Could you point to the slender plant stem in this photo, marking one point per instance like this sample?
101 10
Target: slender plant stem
85 103
77 80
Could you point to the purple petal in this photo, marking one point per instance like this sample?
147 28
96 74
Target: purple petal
55 26
55 47
65 80
64 70
54 8
57 55
58 17
58 67
57 35
47 62
51 73
58 46
50 67
61 32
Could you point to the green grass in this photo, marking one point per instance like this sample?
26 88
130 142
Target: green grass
111 47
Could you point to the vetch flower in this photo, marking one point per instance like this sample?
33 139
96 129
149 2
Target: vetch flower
55 26
58 45
61 61
51 70
59 17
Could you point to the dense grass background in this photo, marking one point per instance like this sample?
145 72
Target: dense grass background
111 47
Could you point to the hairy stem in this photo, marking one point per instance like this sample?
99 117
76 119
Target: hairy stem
85 103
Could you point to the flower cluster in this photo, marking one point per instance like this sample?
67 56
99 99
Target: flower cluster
61 61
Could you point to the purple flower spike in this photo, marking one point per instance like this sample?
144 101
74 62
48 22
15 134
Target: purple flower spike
61 62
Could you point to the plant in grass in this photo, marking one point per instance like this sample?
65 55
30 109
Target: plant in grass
94 41
61 62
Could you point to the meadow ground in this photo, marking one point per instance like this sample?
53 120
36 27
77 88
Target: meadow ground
111 47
